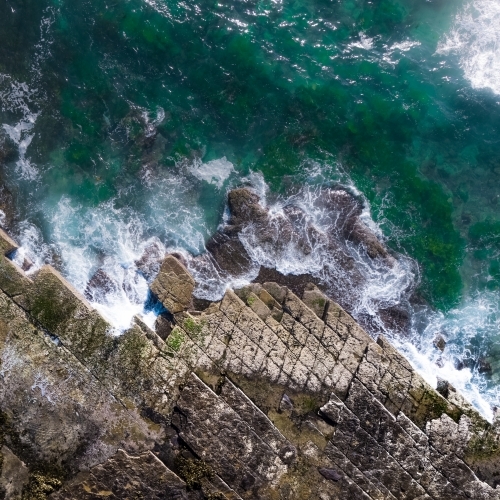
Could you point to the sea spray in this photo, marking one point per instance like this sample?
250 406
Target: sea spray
474 39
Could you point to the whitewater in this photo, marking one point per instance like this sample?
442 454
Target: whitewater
177 209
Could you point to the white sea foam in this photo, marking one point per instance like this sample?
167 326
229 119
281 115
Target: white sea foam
82 240
112 236
22 136
364 42
396 49
214 172
475 40
383 53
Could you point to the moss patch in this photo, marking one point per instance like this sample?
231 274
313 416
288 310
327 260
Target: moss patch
483 446
194 472
319 302
194 327
133 350
42 483
431 406
175 340
50 308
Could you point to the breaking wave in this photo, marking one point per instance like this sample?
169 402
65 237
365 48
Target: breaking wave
475 40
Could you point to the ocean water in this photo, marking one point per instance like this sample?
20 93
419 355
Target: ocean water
130 120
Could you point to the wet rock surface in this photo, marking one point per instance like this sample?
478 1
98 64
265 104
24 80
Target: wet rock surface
100 285
262 244
263 395
150 261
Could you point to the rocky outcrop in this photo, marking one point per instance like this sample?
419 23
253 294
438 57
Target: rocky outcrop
174 285
331 235
123 476
263 395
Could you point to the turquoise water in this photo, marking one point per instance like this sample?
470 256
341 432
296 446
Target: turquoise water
132 118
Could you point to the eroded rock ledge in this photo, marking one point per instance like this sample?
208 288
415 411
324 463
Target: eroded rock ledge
263 395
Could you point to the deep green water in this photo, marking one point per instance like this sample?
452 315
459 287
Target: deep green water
126 95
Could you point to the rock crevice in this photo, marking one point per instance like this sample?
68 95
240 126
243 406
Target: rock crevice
263 395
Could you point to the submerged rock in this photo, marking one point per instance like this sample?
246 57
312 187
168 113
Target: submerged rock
483 366
8 150
439 342
99 286
7 214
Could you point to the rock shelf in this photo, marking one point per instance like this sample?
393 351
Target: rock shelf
263 395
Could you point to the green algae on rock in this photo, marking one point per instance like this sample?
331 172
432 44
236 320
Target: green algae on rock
248 405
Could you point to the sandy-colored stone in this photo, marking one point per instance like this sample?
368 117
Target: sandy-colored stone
14 475
174 285
266 389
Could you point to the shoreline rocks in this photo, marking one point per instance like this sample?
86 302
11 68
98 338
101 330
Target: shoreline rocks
265 394
255 240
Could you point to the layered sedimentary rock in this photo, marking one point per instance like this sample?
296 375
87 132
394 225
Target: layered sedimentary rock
263 395
342 254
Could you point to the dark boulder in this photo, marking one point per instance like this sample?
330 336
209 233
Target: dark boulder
245 207
439 342
229 253
100 285
151 259
164 325
330 474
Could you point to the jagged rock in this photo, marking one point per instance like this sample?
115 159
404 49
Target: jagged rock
349 210
439 342
290 233
443 387
150 261
396 318
229 253
245 207
174 285
295 282
124 476
298 405
100 285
